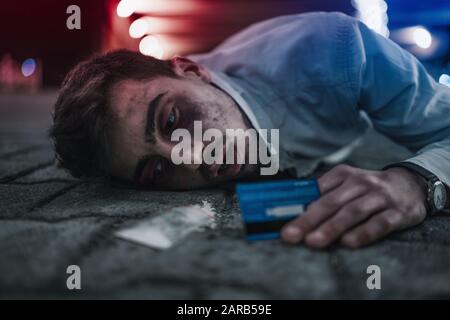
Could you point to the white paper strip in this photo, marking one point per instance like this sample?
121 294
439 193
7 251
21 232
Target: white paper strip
285 210
167 229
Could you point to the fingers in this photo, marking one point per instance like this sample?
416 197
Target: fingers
375 228
347 217
319 211
332 178
358 207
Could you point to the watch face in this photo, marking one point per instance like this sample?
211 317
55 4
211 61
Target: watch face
439 195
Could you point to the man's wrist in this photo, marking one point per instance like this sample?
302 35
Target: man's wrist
429 183
424 187
414 178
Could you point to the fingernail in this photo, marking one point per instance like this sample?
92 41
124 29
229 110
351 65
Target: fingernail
292 234
349 241
317 236
317 240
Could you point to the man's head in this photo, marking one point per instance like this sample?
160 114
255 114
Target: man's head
115 114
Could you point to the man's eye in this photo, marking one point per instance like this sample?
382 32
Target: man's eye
171 120
158 170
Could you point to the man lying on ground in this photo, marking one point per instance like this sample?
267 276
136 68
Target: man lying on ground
321 79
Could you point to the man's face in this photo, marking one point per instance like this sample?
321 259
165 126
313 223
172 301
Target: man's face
145 113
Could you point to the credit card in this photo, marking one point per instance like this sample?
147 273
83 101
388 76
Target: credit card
266 207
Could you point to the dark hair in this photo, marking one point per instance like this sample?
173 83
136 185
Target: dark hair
82 115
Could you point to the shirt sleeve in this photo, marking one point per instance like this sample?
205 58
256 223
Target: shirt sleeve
401 99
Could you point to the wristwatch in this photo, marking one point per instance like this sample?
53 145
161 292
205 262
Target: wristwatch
436 191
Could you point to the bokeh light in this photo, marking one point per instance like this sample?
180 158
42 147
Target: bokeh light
139 27
445 79
125 8
422 37
374 14
151 46
28 67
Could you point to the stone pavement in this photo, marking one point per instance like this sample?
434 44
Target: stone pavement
50 220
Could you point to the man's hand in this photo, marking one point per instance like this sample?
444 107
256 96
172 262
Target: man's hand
359 206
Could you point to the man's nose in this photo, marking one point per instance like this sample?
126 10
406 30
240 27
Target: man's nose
195 154
192 155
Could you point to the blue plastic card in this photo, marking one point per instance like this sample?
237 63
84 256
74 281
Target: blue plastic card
267 206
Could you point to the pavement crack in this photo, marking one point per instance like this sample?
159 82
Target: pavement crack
84 215
25 172
53 196
53 180
95 241
20 152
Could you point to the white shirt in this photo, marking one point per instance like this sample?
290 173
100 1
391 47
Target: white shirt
323 79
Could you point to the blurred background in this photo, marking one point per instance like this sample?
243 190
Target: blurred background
37 48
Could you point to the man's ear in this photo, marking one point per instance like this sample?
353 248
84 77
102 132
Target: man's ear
187 68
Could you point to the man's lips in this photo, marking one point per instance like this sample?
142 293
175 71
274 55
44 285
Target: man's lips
231 170
147 173
224 170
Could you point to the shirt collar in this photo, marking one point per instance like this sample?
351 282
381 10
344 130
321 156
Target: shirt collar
219 79
232 88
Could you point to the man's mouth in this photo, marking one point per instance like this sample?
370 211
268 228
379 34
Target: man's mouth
224 170
229 170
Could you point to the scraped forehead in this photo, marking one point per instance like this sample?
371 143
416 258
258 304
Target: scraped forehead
129 99
128 96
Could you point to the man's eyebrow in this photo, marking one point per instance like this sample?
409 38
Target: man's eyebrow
150 125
